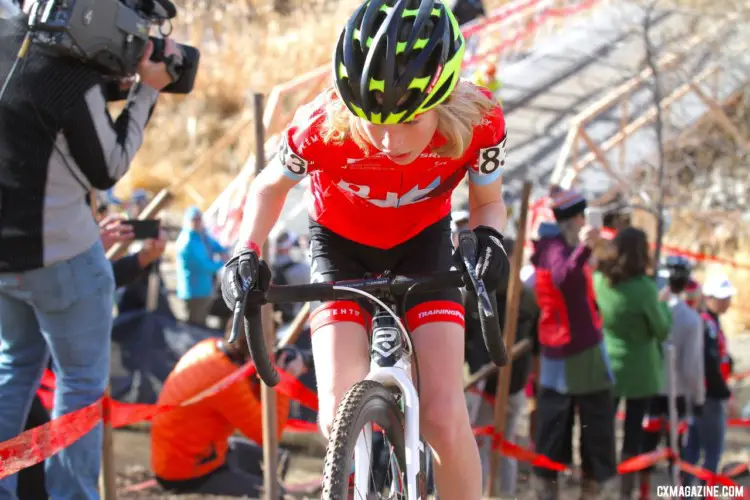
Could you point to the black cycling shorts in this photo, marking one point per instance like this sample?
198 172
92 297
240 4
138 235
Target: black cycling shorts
335 258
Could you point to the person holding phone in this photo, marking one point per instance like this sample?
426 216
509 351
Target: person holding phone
574 373
199 258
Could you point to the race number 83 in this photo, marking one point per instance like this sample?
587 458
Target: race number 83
292 161
492 158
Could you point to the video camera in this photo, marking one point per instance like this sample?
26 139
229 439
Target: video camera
111 36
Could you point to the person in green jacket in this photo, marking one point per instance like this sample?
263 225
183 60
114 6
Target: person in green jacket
636 320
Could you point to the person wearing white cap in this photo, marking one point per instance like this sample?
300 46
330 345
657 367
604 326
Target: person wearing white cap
707 430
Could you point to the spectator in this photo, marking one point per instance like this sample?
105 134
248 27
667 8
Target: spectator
476 353
574 370
130 268
138 202
56 285
686 340
192 447
466 10
197 266
708 428
288 271
636 321
31 480
486 76
692 295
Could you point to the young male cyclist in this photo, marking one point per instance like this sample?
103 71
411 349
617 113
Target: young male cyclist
384 151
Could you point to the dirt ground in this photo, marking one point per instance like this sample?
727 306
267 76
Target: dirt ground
132 456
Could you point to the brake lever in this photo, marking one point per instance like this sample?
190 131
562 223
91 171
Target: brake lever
239 314
467 247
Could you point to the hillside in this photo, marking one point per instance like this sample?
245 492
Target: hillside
245 47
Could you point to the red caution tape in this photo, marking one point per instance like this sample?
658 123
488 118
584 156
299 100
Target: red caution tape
643 461
631 465
40 443
36 445
519 453
609 234
738 422
531 28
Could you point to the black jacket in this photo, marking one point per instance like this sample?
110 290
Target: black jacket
716 387
57 142
476 352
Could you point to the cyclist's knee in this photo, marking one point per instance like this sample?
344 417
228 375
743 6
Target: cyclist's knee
340 349
442 421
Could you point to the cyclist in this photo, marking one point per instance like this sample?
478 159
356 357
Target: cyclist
384 150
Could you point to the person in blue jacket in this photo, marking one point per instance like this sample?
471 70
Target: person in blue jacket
199 258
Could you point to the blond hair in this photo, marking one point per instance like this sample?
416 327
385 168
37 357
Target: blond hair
463 110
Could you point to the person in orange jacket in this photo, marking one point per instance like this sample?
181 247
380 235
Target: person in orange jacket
192 447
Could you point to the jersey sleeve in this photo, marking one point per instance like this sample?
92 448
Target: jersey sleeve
486 165
301 139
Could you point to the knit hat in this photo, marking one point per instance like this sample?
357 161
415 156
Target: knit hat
566 204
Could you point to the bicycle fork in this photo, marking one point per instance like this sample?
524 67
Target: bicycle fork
390 366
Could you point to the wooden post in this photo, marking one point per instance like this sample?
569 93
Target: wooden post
509 329
516 351
297 326
720 117
107 476
271 489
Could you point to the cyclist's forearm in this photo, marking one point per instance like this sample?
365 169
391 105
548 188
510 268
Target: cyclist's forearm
492 214
262 210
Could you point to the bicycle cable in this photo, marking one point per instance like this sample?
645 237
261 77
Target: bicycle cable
385 308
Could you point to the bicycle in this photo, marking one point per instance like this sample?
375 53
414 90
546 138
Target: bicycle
387 396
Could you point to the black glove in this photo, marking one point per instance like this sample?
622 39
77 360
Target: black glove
493 267
242 272
697 410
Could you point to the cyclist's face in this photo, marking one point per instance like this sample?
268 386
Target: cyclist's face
404 142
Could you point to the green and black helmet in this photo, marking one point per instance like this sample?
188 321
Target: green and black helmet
397 58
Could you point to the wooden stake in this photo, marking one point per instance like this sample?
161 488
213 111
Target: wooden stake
271 489
519 349
107 475
512 304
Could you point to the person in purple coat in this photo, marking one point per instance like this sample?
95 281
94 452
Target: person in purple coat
574 368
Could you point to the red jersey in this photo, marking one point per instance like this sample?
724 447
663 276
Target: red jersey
367 198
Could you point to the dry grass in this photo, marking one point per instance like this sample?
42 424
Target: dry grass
242 51
712 201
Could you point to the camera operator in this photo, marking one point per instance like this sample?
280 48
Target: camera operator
58 141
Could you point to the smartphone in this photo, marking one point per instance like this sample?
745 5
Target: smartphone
144 229
594 217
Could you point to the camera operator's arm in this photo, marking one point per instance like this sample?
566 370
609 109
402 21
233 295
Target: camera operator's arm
129 269
101 148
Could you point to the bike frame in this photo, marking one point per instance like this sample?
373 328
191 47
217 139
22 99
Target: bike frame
390 365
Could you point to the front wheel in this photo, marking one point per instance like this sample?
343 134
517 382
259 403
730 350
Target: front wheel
367 402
